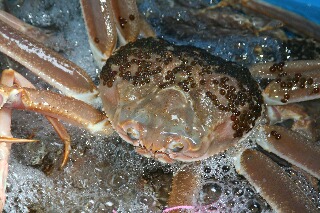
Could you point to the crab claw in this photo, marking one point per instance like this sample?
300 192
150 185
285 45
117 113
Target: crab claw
10 77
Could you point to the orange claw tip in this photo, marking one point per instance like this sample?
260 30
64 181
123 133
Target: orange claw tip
16 140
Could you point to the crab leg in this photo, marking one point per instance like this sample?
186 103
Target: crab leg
57 106
4 156
59 128
272 183
271 70
100 24
23 27
128 19
303 123
181 193
292 20
292 147
145 28
5 140
295 81
106 20
5 132
185 189
50 66
291 90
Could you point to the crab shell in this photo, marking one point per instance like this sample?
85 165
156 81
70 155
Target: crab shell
178 102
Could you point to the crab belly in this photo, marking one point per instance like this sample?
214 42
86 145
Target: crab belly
176 102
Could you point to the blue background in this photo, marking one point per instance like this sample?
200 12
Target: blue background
309 9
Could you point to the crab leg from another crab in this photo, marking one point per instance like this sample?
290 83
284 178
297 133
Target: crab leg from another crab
5 147
50 66
272 183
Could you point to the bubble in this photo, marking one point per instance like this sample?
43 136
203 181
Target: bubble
117 180
254 207
211 192
238 192
103 169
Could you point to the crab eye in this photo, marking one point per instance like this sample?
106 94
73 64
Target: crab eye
133 134
132 131
176 146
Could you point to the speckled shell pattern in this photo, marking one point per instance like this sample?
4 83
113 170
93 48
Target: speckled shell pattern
172 93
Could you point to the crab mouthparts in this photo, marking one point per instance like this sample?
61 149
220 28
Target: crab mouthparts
158 155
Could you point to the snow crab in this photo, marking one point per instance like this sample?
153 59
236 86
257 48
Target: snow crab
170 102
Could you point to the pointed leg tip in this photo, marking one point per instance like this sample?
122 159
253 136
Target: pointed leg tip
65 155
16 140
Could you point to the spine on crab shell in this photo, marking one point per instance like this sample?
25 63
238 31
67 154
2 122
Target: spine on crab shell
47 64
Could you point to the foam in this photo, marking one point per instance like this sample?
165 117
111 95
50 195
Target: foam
105 174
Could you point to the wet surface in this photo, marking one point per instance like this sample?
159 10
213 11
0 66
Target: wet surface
104 173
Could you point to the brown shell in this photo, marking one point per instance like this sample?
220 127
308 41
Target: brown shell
206 93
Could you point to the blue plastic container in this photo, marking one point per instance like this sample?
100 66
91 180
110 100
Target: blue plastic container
309 9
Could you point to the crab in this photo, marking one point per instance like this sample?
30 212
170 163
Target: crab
170 102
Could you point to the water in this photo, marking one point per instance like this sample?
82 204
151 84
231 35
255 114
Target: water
104 173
